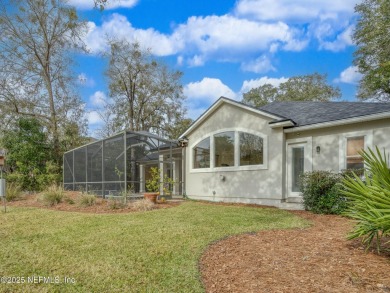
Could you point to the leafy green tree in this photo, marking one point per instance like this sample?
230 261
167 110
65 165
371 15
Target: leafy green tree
175 130
146 94
312 87
372 37
261 95
27 153
36 78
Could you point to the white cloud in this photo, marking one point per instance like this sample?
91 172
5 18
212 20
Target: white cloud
330 21
94 118
227 38
342 40
259 65
98 100
196 61
179 60
202 38
247 85
112 4
301 11
254 28
208 89
117 26
350 75
200 95
85 80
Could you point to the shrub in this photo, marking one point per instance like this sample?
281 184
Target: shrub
26 182
13 191
321 192
370 199
143 205
115 204
87 200
36 180
51 176
53 195
153 184
69 200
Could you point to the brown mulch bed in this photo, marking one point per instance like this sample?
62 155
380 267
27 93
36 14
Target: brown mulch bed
315 259
102 206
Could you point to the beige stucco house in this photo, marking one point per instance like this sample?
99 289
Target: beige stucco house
238 153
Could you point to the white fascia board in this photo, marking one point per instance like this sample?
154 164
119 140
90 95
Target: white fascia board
219 102
339 122
281 124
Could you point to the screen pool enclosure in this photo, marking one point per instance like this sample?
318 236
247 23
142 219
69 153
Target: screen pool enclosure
121 164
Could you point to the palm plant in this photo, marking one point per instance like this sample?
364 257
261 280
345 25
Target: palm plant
369 200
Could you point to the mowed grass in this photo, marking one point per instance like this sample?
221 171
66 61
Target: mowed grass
156 251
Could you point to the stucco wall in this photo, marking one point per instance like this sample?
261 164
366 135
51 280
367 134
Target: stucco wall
267 185
261 186
330 140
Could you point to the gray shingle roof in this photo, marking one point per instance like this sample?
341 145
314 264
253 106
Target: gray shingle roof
306 113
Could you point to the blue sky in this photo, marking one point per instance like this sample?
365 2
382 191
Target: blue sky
223 47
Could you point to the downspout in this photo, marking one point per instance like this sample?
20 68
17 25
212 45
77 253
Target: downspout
183 171
183 141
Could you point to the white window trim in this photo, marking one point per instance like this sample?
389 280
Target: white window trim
191 148
236 166
368 143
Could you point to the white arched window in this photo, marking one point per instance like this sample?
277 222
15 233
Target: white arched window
230 150
251 149
201 154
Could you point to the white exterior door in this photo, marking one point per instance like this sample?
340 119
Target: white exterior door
299 159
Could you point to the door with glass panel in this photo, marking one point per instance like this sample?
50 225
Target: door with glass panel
297 163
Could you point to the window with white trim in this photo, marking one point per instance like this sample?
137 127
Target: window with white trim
353 159
224 149
230 149
251 149
201 153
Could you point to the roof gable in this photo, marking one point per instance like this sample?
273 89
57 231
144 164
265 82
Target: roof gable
221 101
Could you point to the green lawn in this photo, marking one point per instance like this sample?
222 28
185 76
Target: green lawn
156 251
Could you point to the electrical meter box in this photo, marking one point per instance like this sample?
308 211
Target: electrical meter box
2 187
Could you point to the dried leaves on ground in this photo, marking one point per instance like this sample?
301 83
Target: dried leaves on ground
315 259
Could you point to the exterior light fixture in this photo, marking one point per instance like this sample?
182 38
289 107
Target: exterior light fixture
183 141
318 149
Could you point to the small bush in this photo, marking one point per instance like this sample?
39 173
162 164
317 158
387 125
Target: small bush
143 205
321 192
116 204
53 195
69 200
13 191
87 200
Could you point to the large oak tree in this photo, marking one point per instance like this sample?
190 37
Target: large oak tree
147 95
312 87
36 78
